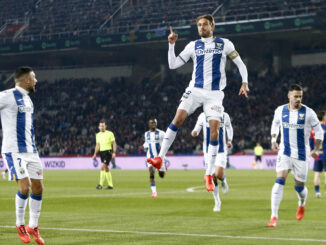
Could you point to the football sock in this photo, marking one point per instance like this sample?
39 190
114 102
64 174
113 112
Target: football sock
169 137
317 188
216 195
153 187
109 177
102 177
212 151
302 193
35 203
21 202
277 195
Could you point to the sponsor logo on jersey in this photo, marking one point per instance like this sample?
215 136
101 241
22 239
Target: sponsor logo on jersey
200 52
292 125
24 109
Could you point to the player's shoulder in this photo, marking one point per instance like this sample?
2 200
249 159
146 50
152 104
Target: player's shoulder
7 92
281 107
308 109
160 131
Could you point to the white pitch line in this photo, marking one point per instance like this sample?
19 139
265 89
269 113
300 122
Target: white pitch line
193 189
179 234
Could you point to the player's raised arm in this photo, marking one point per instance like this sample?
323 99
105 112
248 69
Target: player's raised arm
173 37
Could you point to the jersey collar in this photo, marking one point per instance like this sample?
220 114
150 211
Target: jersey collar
208 39
21 90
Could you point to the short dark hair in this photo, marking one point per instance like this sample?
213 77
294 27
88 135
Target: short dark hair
22 71
208 17
153 118
102 121
295 87
321 115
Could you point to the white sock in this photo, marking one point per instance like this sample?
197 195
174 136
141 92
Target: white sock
216 195
277 195
153 187
302 196
169 137
212 151
35 203
21 202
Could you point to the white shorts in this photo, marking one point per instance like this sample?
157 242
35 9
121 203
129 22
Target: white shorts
211 101
299 168
22 165
221 160
162 169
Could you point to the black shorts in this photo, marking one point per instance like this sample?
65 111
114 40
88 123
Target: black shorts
106 157
258 158
319 165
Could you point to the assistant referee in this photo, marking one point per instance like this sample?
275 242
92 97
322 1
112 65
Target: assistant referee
105 144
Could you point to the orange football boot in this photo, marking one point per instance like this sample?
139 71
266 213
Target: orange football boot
35 234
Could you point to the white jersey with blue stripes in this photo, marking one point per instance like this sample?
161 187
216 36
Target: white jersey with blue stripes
209 58
153 141
295 126
226 131
16 110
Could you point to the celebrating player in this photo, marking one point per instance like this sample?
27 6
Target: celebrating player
224 142
105 143
19 151
153 141
320 162
205 89
295 121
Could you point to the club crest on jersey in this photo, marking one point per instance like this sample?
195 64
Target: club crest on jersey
219 45
301 116
157 137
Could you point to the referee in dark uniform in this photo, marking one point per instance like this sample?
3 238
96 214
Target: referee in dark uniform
105 144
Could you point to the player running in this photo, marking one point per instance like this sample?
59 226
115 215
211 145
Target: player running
224 142
152 145
295 121
320 162
19 152
205 88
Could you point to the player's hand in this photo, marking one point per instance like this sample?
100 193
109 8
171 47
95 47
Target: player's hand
229 143
194 133
244 89
275 146
173 36
314 153
113 155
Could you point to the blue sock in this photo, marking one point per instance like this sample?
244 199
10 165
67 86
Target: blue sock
317 188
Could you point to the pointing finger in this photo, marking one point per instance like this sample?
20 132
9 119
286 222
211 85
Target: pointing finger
171 30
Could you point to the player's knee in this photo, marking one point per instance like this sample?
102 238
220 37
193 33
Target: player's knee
220 175
37 189
24 189
161 174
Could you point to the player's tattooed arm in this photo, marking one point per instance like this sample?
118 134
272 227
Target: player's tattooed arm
314 152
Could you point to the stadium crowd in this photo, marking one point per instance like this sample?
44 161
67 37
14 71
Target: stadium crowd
67 112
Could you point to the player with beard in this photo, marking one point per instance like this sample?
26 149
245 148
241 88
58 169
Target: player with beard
205 90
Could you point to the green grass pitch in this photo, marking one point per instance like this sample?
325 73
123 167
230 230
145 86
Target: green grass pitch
74 212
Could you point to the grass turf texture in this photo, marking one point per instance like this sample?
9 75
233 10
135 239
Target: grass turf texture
71 201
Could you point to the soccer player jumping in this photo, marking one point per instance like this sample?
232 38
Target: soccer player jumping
295 121
205 88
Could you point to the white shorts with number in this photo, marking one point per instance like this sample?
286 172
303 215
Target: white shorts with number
221 160
162 169
211 101
299 168
22 165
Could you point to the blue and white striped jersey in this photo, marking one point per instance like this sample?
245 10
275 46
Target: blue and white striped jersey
295 128
209 58
225 130
16 110
153 141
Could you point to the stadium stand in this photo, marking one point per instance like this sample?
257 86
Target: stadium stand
66 122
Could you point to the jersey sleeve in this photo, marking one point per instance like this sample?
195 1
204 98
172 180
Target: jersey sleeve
228 47
228 126
199 123
276 123
187 52
3 100
145 145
